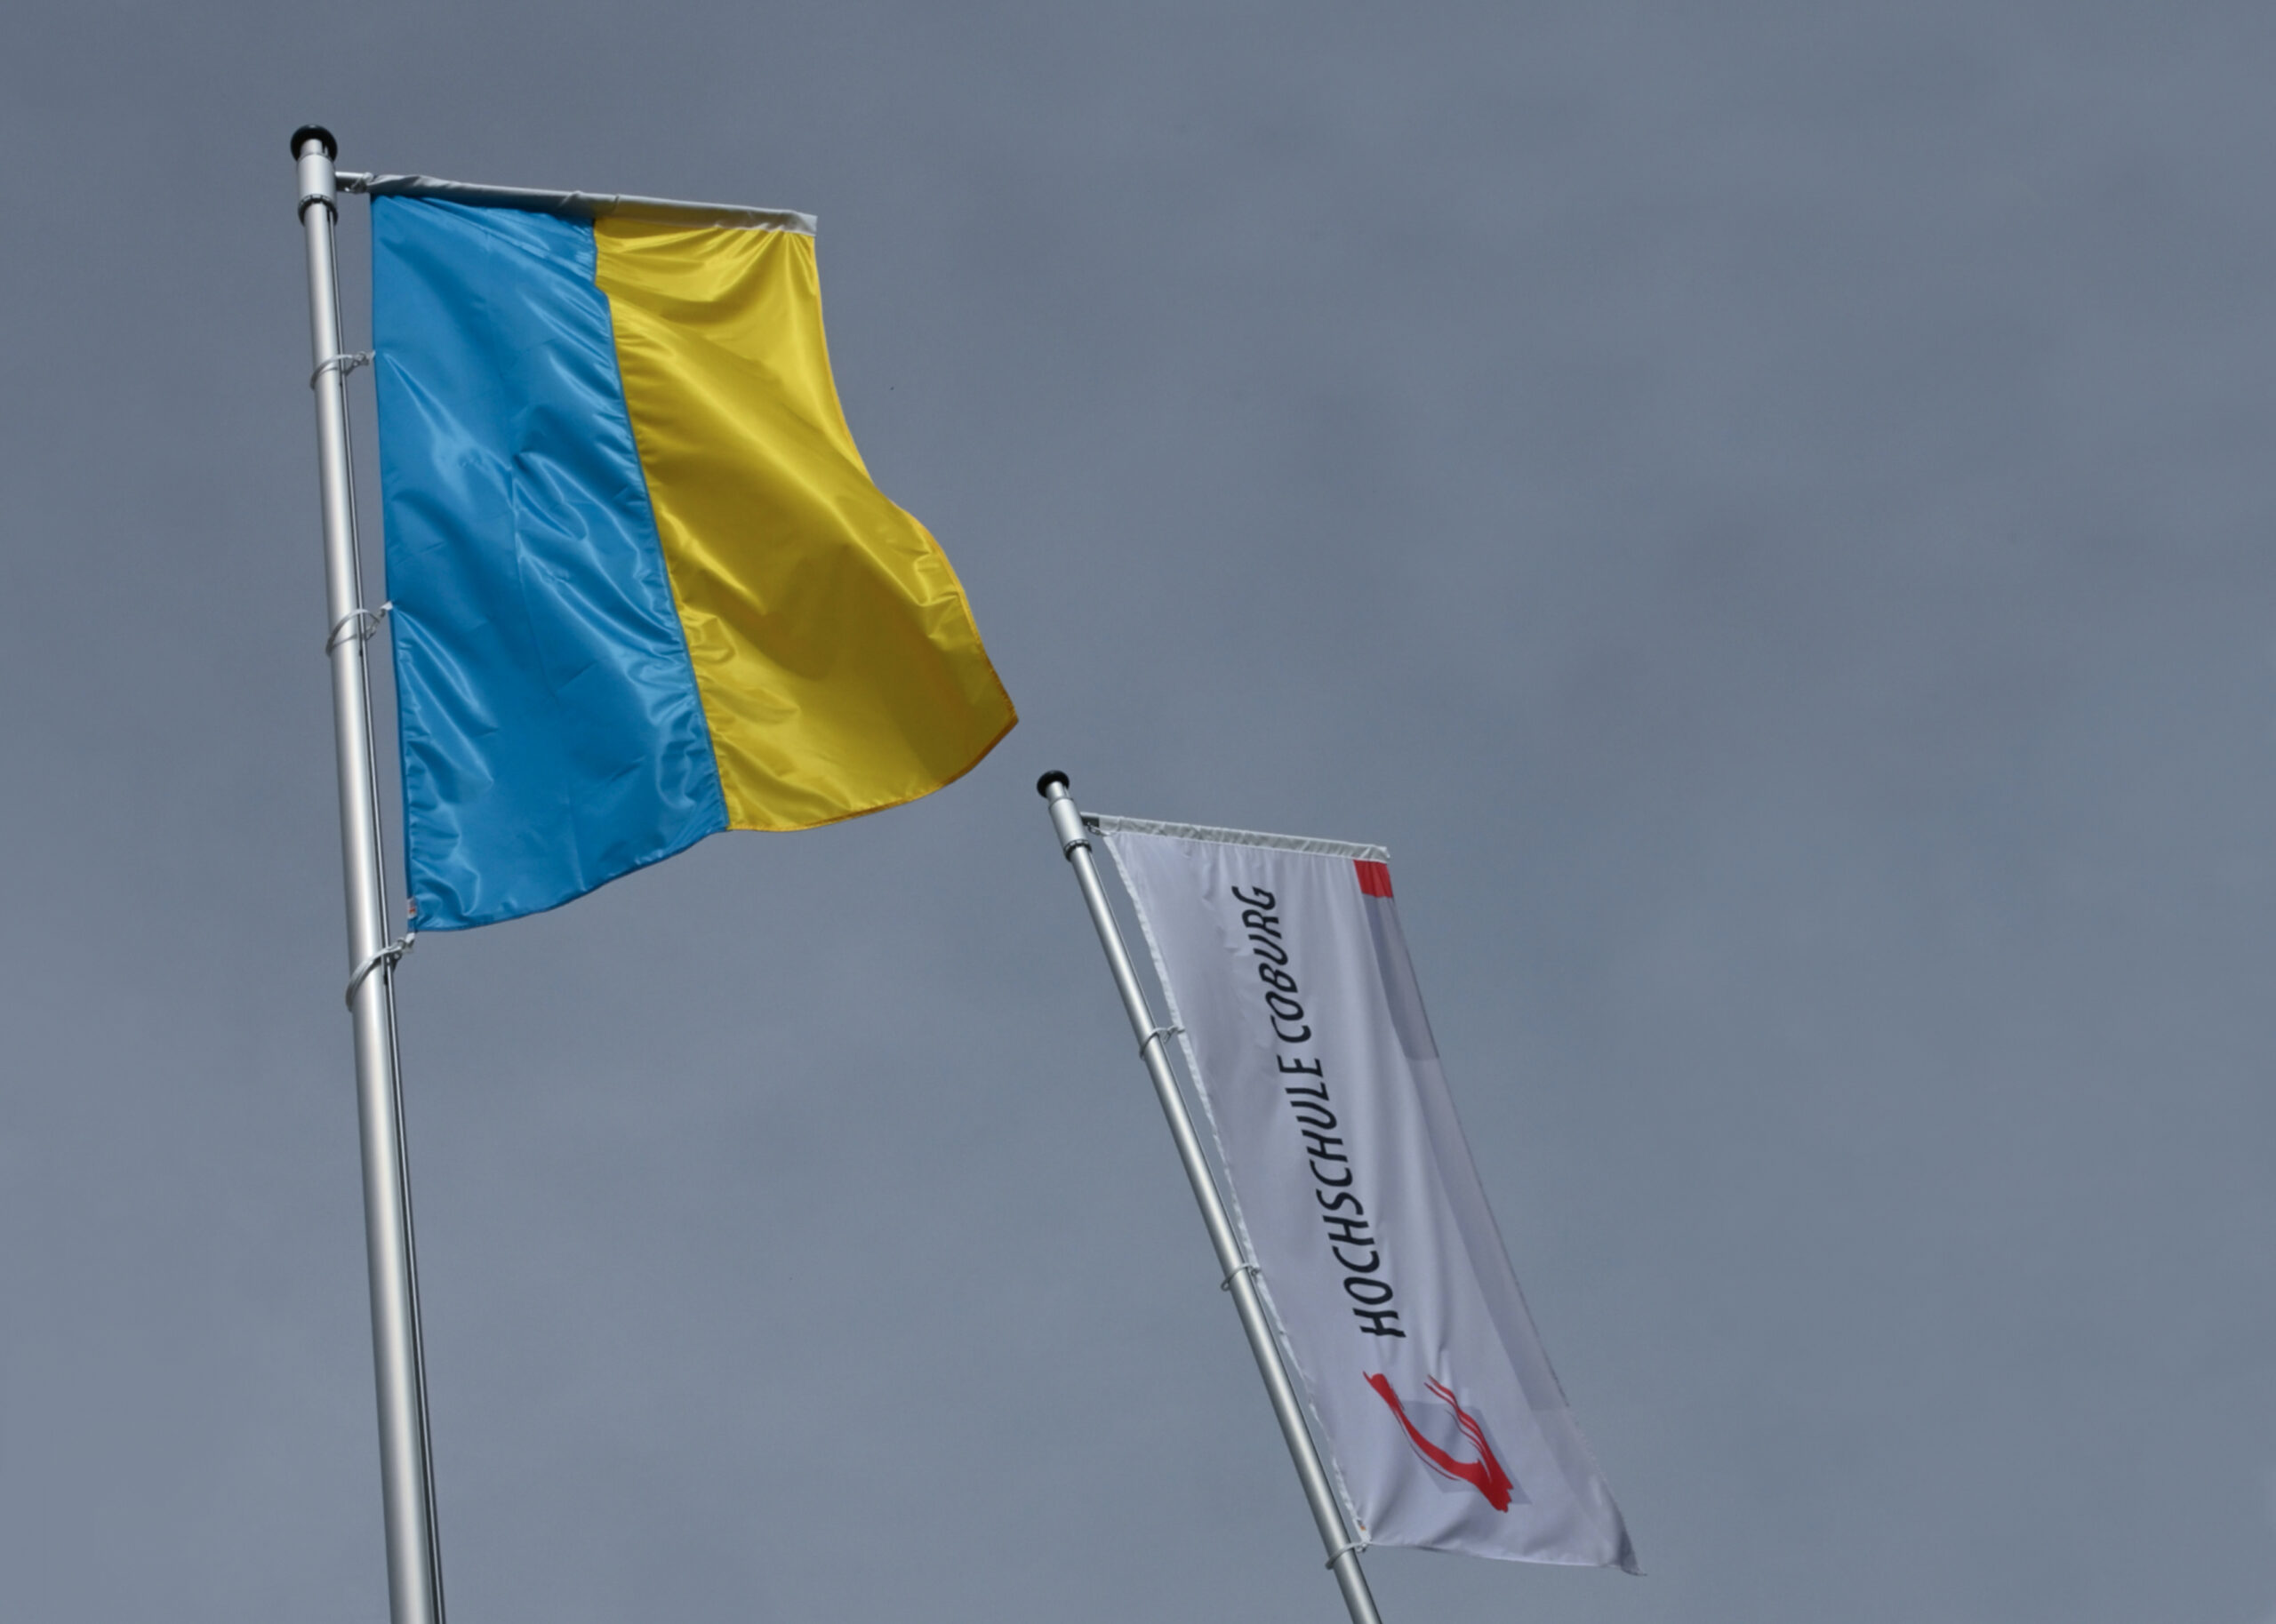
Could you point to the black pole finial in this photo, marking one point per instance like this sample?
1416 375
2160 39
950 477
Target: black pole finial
1043 785
316 132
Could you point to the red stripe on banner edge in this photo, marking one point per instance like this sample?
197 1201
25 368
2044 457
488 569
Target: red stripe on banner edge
1375 878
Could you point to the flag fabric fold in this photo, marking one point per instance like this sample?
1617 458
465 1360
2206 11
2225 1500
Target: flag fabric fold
1302 1027
643 587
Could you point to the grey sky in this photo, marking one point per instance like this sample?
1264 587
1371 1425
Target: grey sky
1765 508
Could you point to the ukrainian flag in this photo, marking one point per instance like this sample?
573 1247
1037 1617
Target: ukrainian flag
644 588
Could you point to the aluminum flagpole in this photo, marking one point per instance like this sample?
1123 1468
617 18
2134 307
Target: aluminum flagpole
1240 1274
406 1481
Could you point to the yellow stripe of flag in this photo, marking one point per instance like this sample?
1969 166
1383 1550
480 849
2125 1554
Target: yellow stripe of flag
836 658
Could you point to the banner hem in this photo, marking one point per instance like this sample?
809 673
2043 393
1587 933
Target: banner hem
1356 852
581 205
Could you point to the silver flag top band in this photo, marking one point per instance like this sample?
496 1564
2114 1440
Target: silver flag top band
579 205
1238 837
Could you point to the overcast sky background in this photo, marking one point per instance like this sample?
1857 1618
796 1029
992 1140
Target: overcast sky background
1765 508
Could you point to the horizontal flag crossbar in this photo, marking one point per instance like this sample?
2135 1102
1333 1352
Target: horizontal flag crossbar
1238 837
579 205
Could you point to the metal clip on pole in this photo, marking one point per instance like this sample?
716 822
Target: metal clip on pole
360 623
1158 1035
390 955
342 364
1240 1275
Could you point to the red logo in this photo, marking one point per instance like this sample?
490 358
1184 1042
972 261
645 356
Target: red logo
1484 1474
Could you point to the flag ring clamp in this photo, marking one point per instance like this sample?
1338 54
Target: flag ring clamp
391 954
1159 1032
366 622
346 363
1238 1270
1350 1547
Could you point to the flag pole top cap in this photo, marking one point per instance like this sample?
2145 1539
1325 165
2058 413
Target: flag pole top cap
306 133
1043 785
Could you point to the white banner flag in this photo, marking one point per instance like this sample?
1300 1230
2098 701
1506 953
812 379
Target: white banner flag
1355 1196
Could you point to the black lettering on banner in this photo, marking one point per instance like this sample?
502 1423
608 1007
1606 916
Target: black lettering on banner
1342 1211
1302 1068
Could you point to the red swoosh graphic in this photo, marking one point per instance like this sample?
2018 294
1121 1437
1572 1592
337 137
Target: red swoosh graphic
1484 1474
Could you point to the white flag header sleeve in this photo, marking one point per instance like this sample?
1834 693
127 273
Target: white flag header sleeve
1354 1192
